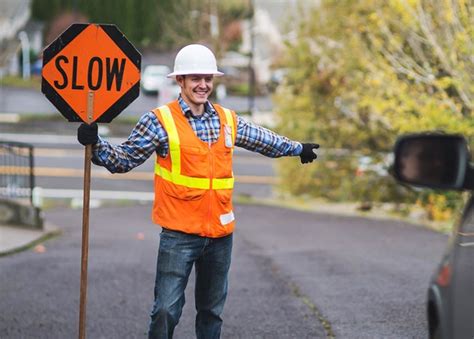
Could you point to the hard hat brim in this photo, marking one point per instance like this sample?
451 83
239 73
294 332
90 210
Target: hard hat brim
215 73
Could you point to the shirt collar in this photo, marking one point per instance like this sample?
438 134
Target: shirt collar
208 108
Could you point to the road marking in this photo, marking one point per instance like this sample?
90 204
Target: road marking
41 138
95 194
11 118
58 152
104 174
73 153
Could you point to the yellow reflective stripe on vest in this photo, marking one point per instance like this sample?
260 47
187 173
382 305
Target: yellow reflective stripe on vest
230 122
173 139
175 175
200 183
223 184
226 183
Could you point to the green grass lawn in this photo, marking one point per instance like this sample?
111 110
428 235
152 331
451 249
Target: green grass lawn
19 82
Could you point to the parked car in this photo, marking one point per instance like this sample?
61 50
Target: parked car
443 162
154 80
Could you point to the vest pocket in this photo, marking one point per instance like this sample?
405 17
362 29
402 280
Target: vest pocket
223 164
194 161
182 192
224 213
224 196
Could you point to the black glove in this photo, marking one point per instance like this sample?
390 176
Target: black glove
87 134
307 154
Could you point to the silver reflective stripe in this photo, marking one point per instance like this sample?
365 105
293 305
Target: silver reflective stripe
227 218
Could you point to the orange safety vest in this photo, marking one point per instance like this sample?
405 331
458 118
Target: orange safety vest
194 182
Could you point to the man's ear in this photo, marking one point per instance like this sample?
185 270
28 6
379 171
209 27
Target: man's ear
180 80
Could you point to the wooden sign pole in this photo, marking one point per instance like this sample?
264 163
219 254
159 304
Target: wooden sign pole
85 223
73 65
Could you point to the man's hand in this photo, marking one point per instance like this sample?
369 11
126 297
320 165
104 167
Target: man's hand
87 134
307 154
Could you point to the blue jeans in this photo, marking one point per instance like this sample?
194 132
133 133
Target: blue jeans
176 256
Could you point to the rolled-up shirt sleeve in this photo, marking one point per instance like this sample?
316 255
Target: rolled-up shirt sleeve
147 137
264 141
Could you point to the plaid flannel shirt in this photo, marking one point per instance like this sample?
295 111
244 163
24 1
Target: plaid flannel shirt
149 137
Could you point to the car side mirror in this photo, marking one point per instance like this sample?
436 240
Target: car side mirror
433 160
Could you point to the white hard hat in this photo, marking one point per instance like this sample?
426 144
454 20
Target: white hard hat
195 59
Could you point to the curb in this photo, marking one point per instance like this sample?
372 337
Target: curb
349 210
15 239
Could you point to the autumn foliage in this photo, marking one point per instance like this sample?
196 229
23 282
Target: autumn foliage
363 72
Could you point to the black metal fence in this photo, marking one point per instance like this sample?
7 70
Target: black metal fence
17 178
17 181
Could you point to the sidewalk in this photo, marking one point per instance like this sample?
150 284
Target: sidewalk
14 239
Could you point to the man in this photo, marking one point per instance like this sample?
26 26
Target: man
194 142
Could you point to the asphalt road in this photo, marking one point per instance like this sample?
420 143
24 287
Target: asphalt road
59 163
292 272
59 158
364 278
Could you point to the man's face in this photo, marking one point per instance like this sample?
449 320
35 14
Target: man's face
195 88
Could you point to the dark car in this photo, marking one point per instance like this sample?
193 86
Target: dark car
442 161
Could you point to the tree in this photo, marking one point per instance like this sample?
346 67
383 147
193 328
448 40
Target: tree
388 67
152 23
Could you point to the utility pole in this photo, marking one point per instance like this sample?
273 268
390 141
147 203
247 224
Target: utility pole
214 25
251 70
25 52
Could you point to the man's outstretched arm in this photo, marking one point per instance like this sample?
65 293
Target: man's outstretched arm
264 141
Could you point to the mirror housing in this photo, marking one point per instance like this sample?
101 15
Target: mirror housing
433 160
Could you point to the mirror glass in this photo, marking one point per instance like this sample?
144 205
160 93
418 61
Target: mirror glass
437 161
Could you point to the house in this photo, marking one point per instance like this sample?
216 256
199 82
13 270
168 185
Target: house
17 29
273 22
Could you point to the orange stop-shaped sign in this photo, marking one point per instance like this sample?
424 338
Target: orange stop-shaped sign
91 59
